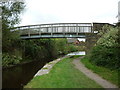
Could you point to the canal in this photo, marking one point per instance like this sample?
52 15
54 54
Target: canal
20 75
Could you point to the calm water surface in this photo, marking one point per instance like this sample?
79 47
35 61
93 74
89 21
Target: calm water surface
77 53
18 76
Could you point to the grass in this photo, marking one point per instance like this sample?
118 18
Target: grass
110 75
45 68
63 75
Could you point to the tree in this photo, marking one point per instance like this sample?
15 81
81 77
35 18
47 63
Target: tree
10 17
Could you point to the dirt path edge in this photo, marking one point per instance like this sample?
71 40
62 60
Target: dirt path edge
80 66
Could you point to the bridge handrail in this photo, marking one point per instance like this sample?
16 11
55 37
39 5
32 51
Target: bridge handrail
78 24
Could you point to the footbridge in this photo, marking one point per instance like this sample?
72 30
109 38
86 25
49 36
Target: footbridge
55 30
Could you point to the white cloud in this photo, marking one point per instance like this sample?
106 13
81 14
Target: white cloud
58 11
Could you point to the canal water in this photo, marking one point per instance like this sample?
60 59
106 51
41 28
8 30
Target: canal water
77 53
18 76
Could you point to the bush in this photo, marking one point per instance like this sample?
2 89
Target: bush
8 60
63 47
103 56
109 39
71 48
60 45
105 53
38 49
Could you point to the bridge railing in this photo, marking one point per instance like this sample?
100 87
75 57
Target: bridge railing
57 28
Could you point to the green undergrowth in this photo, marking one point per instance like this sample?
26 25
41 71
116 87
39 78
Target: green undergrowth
110 75
9 60
63 75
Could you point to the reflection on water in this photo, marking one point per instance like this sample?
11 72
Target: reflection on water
18 76
77 53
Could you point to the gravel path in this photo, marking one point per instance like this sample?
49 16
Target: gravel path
104 83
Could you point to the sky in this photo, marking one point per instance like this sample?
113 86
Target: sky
69 11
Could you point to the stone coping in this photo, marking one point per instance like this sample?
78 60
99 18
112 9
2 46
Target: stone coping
46 69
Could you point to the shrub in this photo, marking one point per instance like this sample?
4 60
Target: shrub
103 56
105 53
8 60
109 39
71 48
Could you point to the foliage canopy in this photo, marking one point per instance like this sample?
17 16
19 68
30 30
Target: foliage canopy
10 17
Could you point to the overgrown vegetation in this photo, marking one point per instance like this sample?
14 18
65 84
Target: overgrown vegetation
41 48
47 48
104 58
10 17
9 60
10 40
63 47
106 51
38 49
63 75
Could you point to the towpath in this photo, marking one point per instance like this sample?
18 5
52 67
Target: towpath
104 83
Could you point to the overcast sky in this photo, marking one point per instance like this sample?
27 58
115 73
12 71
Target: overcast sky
69 11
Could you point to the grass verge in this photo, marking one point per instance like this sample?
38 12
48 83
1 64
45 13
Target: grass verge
63 75
110 75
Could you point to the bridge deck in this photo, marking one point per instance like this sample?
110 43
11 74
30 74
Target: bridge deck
68 30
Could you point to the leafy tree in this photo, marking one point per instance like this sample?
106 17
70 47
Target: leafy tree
10 17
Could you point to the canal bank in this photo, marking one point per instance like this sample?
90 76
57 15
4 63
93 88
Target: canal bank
63 75
46 69
69 73
21 74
